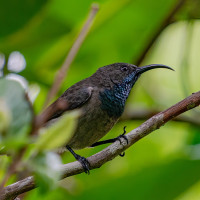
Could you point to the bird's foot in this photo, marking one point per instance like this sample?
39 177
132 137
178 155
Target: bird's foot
119 139
122 136
84 162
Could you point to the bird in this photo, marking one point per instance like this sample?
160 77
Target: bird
101 99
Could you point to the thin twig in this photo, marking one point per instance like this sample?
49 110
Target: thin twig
12 168
167 21
112 151
72 53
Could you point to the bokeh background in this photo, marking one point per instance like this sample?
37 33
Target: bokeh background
35 37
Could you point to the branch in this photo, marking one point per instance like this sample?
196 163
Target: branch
72 53
144 114
167 21
109 153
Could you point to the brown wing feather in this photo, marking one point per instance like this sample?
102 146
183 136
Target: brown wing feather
71 99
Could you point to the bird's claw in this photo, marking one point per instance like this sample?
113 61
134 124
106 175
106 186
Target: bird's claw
85 164
122 154
123 136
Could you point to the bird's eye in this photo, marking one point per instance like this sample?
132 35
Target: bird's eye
124 68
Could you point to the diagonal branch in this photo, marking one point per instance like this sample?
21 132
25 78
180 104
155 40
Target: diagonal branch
144 114
109 153
72 53
167 21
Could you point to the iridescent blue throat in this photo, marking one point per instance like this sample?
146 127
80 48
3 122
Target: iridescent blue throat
113 100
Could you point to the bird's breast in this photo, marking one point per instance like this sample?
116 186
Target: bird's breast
113 100
92 125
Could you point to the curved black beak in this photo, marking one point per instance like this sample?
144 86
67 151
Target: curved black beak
145 68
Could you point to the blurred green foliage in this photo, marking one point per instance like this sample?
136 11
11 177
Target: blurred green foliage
165 165
18 113
55 136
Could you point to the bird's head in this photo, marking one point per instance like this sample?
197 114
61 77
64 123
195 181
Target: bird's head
117 80
120 73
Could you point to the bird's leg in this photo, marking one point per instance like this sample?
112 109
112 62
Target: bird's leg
113 140
84 162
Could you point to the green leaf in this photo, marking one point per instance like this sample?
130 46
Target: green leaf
5 116
46 167
58 133
19 116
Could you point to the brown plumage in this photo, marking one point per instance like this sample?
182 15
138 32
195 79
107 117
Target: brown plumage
101 98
